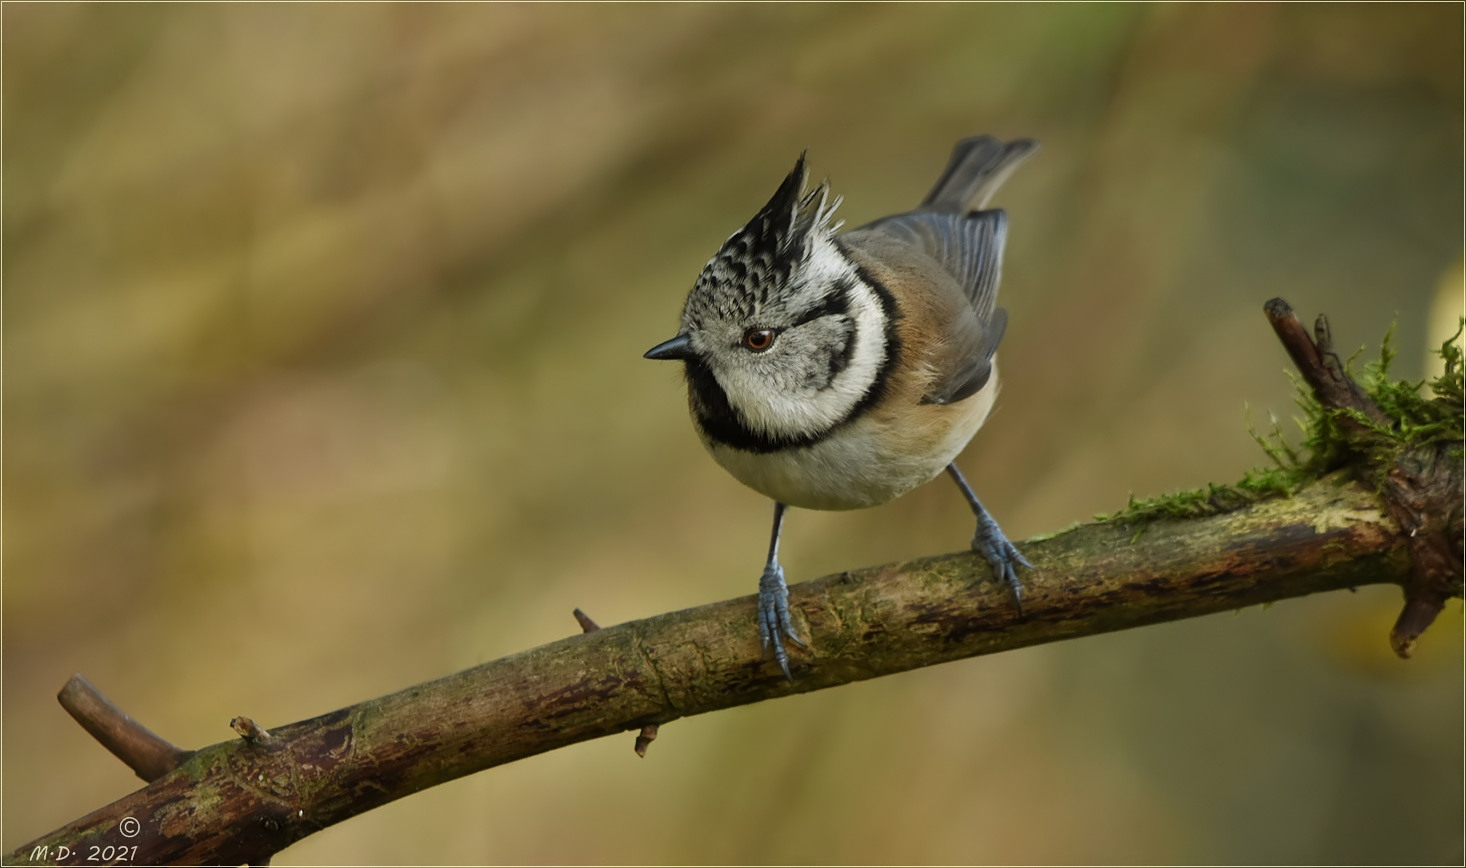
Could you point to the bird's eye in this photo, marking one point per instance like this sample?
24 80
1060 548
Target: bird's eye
758 340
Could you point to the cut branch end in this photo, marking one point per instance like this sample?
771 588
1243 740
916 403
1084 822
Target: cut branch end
146 753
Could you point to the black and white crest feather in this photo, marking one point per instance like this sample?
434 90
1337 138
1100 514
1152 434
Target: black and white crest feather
766 252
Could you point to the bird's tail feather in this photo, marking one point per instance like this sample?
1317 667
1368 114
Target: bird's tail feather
978 167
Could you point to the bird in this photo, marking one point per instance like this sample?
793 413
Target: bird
840 370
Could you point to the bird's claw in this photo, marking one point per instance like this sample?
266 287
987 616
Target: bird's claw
1002 556
773 616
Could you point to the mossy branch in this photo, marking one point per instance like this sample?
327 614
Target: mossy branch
1406 445
248 798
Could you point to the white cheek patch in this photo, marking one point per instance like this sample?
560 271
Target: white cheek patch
781 410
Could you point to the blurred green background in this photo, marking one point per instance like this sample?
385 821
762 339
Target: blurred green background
322 361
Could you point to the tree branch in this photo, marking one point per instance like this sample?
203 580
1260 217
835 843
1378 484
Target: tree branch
246 799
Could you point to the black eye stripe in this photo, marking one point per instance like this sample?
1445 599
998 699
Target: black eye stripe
722 424
835 303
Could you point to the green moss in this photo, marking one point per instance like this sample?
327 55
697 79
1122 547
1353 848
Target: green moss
1056 533
1420 414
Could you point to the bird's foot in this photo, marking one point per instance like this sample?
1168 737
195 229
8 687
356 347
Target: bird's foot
773 615
1000 553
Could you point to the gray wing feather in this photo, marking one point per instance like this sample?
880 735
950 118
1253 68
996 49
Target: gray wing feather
969 247
977 370
948 225
951 227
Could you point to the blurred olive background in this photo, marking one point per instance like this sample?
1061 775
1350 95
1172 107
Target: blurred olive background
322 359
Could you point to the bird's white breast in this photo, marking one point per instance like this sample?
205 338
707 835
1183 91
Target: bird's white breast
869 461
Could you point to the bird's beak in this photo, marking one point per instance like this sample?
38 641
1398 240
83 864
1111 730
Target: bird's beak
679 347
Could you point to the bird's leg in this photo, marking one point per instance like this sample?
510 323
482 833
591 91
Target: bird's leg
773 601
990 542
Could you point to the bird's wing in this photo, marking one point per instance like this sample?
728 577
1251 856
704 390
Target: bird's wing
951 224
974 373
969 247
938 318
950 229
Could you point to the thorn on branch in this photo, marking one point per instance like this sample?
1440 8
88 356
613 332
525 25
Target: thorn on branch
1418 614
1419 486
250 731
586 624
648 733
146 753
